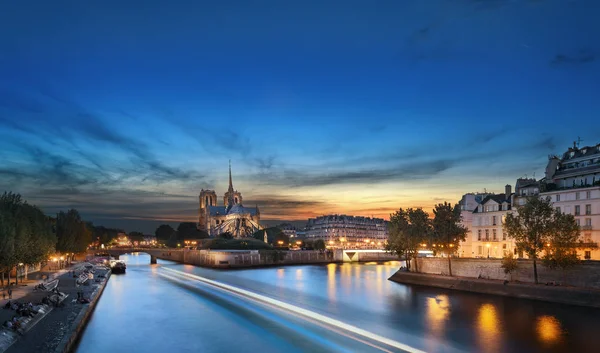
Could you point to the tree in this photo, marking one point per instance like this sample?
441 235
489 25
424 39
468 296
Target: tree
26 234
319 244
136 236
538 227
274 235
189 230
72 233
509 264
408 229
561 248
448 232
225 235
164 232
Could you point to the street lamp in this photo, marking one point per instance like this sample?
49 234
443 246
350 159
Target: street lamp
488 246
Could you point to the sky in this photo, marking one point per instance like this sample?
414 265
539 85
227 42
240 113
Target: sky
125 110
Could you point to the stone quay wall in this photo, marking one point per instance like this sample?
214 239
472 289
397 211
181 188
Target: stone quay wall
586 275
252 258
556 294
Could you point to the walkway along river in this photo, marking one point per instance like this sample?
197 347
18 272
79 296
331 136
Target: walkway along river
319 308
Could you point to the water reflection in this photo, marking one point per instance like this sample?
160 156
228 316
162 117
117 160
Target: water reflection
438 309
331 276
488 327
549 329
430 319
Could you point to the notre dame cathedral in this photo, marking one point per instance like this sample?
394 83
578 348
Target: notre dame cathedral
233 217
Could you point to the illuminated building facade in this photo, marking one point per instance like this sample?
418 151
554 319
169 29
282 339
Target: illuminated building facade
573 184
342 231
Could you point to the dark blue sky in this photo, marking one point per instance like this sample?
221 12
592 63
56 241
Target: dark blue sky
125 109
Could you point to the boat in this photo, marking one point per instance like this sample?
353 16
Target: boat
118 267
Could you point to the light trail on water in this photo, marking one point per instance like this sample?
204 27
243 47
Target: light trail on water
332 324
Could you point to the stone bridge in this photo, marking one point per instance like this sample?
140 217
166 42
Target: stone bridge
163 254
250 258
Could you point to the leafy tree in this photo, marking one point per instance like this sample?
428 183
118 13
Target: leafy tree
7 243
189 230
538 227
164 232
225 235
72 233
448 232
509 264
102 234
274 235
561 249
136 236
26 234
408 229
319 244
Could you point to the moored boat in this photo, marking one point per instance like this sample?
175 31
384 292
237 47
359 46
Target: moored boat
118 267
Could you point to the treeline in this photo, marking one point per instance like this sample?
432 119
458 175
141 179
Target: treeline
410 230
171 237
28 236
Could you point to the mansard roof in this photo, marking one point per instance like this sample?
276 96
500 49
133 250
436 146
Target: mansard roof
575 152
498 198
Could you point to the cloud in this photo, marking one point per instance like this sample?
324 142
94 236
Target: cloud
407 171
582 57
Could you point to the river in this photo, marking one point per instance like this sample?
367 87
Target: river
170 307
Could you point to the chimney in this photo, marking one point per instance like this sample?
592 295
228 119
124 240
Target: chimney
507 191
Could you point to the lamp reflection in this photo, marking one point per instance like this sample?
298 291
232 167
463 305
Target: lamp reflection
331 282
438 309
548 329
488 325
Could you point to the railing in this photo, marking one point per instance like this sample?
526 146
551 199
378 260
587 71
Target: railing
586 227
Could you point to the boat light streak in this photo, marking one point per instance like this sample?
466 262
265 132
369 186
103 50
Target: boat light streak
301 311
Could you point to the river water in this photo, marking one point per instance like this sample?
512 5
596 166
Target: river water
159 309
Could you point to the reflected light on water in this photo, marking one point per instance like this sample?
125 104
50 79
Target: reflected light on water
438 309
488 325
548 329
331 282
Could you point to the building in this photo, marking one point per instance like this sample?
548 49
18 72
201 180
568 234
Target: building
487 236
573 184
342 231
468 203
288 229
525 188
232 217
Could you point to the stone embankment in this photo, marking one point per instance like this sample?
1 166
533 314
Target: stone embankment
258 258
60 328
557 294
585 275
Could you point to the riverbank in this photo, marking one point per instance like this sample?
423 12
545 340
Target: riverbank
59 329
554 294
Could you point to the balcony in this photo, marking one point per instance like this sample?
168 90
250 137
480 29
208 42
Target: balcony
586 227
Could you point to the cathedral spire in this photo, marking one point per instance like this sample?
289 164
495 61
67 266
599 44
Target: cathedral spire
230 182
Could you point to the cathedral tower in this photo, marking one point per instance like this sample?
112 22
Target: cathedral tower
206 198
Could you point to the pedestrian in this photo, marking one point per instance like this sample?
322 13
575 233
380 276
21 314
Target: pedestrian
9 293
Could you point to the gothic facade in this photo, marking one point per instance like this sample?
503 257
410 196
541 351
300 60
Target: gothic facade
232 217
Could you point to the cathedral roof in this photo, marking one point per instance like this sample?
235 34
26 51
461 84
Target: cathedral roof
235 209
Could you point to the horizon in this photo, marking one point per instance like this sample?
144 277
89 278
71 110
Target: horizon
322 109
